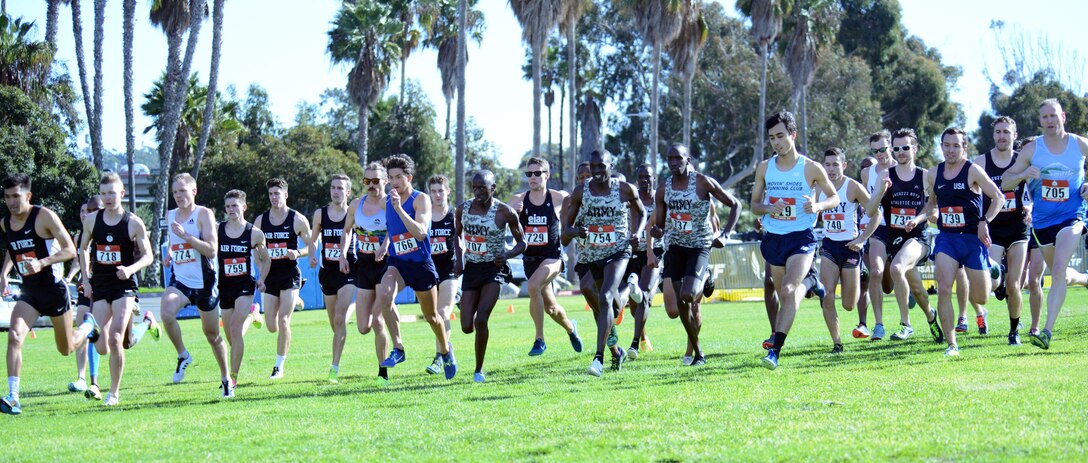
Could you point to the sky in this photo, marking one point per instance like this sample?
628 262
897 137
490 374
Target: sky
282 47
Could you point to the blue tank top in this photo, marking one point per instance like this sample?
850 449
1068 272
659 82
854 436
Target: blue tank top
402 245
1057 193
960 208
788 186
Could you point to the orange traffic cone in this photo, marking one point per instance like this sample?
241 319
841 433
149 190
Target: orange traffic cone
588 309
453 316
33 334
510 309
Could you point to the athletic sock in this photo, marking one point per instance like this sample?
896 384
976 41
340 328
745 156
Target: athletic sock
86 327
92 361
138 331
184 354
779 340
279 361
336 368
226 378
599 357
383 373
1014 324
634 344
13 386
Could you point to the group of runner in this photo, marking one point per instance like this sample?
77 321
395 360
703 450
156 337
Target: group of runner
371 247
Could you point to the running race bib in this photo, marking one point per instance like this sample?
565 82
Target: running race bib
952 217
476 244
789 213
602 235
332 251
681 222
1056 191
22 262
106 254
235 267
438 245
901 217
1010 202
368 244
182 253
277 251
834 223
536 236
404 243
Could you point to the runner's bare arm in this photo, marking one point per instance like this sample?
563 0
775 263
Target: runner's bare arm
759 187
55 229
302 228
315 238
821 183
138 232
717 192
1021 169
512 223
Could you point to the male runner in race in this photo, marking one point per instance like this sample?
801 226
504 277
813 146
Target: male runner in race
282 226
193 243
1054 166
539 210
880 147
109 270
483 222
783 195
241 250
649 275
337 287
444 245
29 233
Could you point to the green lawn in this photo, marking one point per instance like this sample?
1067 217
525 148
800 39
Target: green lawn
880 401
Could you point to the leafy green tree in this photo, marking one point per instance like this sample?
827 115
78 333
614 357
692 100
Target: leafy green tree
1023 107
408 128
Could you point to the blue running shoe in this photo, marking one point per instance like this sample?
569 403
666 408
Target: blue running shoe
1041 339
770 362
575 341
613 339
478 377
538 348
395 356
878 332
911 301
10 405
449 365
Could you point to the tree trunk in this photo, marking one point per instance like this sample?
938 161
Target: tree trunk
653 108
130 138
213 82
449 101
96 122
538 54
88 97
760 136
362 139
462 57
562 162
687 109
572 143
52 17
166 145
549 153
804 119
403 74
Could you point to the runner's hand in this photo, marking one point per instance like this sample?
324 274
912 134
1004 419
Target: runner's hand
313 261
344 267
123 272
984 234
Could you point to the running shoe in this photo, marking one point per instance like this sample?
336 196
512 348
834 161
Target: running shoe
449 364
613 339
95 333
632 353
10 405
1033 331
837 350
1000 293
645 346
538 348
861 332
179 372
686 360
228 389
436 364
1041 339
595 368
395 356
911 301
1014 338
698 361
334 376
110 400
478 377
617 360
904 332
277 373
812 283
961 325
92 392
952 351
634 292
152 326
878 332
619 318
79 385
769 342
770 362
255 315
981 320
935 328
575 341
381 382
708 284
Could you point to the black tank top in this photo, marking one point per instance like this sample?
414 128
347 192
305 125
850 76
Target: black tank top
279 239
331 232
960 208
235 256
1012 212
903 201
25 245
540 225
112 245
442 240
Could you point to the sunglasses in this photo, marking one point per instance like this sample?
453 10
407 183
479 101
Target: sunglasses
878 150
372 181
901 148
535 173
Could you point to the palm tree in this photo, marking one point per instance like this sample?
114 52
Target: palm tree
442 35
766 16
412 14
812 24
130 138
572 11
88 97
684 52
462 59
193 113
364 34
213 82
96 119
52 17
24 62
658 22
537 18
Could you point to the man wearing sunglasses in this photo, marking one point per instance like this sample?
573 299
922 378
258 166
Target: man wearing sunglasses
539 210
880 147
1053 166
900 198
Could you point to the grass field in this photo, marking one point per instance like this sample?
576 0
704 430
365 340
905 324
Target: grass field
882 400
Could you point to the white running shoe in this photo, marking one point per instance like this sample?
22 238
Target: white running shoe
79 385
686 360
183 363
228 389
632 354
277 373
634 291
595 368
110 400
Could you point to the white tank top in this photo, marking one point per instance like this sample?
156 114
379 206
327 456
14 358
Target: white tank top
788 186
871 187
841 222
189 266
